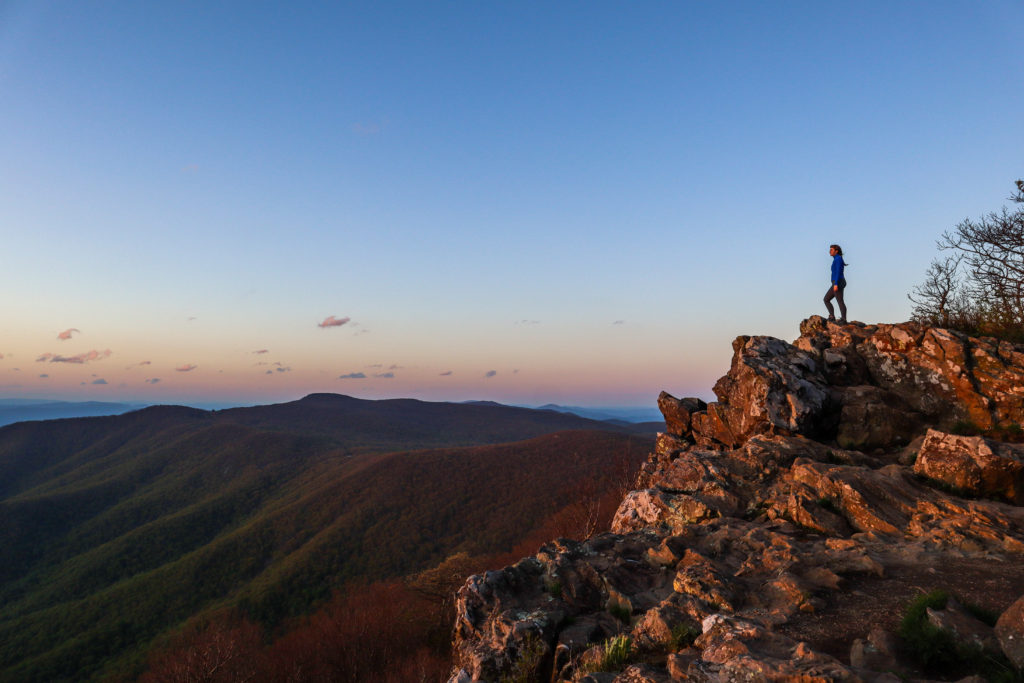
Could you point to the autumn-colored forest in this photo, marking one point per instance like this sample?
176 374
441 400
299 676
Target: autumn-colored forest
394 631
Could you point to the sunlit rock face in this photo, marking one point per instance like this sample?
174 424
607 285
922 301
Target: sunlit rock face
824 463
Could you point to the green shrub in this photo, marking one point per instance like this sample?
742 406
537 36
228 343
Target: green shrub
525 668
938 651
621 613
683 635
553 588
616 653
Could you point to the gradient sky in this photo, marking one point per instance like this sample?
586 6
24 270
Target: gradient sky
578 202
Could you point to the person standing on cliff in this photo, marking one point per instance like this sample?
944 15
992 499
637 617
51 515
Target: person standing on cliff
838 285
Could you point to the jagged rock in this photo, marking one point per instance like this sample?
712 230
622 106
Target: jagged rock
1010 632
872 417
877 652
973 465
755 511
677 412
772 387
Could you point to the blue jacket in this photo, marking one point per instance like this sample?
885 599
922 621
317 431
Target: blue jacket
838 266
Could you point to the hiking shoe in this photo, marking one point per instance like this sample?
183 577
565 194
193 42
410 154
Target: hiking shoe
831 319
842 321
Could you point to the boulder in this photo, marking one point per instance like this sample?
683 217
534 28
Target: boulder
973 465
677 412
771 387
1010 632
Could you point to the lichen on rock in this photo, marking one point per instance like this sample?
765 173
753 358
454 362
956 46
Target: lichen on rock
755 511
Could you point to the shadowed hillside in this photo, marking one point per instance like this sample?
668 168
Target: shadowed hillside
116 529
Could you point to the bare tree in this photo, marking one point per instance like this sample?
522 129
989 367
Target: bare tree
938 298
979 287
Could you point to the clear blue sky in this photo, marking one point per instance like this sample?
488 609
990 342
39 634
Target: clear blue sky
526 202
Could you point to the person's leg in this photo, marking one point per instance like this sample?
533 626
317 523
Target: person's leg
828 303
842 304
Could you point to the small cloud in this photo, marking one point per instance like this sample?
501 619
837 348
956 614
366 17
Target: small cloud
79 359
140 364
43 376
490 373
1 356
99 381
66 334
385 375
395 367
331 321
446 373
262 351
376 365
190 318
269 372
353 375
188 367
516 371
154 380
527 322
284 369
619 322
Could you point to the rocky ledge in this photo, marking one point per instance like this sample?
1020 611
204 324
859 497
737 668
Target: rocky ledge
779 532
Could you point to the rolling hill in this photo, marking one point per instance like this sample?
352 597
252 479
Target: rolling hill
116 529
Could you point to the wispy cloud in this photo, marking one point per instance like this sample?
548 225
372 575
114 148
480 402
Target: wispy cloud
527 322
1 356
619 322
331 321
284 368
66 334
188 367
446 373
153 380
43 376
490 373
139 364
262 351
99 381
395 367
385 375
353 375
79 359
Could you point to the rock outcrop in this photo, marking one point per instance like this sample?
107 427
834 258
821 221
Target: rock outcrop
823 464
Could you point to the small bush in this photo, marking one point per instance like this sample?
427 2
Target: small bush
965 428
525 668
938 651
621 613
683 635
553 588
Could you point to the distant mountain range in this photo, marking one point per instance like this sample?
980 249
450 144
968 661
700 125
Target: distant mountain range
116 529
625 414
18 410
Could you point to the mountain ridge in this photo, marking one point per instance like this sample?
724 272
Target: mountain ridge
117 528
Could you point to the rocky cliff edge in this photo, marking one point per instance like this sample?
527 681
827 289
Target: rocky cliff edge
778 532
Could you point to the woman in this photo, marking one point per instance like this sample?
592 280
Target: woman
838 285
